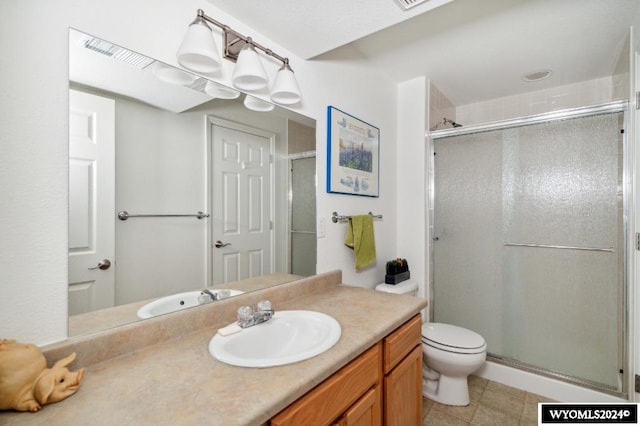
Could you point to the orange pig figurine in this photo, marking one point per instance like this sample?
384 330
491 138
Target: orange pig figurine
26 384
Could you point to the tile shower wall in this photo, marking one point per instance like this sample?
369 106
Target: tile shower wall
301 138
586 93
439 107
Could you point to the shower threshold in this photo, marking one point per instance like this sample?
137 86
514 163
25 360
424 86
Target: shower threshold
589 384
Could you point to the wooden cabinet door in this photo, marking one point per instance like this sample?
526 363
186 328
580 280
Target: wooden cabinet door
367 411
330 399
403 391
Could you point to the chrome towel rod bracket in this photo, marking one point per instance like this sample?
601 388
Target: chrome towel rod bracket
335 217
124 215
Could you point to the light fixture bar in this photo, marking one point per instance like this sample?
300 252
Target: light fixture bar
232 53
198 53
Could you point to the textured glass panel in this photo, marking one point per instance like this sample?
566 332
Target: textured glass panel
303 254
467 220
303 194
560 183
548 184
303 216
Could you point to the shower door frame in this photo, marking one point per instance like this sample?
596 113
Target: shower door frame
627 181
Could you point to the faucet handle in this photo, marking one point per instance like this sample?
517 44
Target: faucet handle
245 313
264 305
204 298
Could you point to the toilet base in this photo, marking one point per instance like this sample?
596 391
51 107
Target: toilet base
447 390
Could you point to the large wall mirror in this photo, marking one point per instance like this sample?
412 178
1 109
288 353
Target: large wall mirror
182 191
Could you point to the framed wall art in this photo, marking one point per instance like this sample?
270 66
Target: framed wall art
353 151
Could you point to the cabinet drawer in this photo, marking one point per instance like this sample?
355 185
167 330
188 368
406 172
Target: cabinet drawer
327 401
402 341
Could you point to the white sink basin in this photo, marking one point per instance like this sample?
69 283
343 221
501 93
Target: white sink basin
176 302
288 337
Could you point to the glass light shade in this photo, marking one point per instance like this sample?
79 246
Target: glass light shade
172 75
256 104
285 89
249 73
221 92
198 50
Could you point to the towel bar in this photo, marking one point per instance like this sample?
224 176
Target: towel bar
124 215
559 247
335 217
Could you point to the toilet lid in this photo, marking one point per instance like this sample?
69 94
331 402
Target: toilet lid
405 287
452 338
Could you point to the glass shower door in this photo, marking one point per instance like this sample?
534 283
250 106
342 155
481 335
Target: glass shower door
303 216
529 248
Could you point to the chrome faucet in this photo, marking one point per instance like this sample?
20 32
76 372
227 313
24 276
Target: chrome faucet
249 315
207 296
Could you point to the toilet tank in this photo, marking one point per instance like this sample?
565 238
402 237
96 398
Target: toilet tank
408 287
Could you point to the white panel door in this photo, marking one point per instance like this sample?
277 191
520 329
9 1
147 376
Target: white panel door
91 202
242 203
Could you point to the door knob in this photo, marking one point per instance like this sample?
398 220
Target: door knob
220 244
104 264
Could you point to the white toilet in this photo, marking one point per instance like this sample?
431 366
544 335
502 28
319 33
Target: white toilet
450 354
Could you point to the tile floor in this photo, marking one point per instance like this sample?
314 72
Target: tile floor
492 404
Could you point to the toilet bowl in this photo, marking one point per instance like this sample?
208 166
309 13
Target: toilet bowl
450 355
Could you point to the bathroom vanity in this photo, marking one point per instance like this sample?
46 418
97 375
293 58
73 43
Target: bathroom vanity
385 382
159 371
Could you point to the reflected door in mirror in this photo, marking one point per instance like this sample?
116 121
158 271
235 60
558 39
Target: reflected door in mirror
242 200
91 202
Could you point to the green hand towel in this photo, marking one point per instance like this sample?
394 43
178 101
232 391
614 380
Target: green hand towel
360 238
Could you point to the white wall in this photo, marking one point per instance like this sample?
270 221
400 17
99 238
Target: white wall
375 105
412 185
160 168
34 142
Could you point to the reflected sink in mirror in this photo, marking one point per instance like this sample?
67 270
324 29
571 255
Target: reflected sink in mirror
176 302
290 336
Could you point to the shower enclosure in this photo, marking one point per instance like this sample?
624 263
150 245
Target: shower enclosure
302 213
528 241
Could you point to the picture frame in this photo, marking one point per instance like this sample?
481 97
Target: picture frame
353 155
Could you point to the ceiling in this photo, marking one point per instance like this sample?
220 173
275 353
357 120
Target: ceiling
104 66
472 50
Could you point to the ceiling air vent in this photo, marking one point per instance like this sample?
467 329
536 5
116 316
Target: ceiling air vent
408 4
118 53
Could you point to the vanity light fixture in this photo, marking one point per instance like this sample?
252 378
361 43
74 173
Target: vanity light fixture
256 104
198 53
219 91
198 50
249 74
536 75
172 75
285 89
